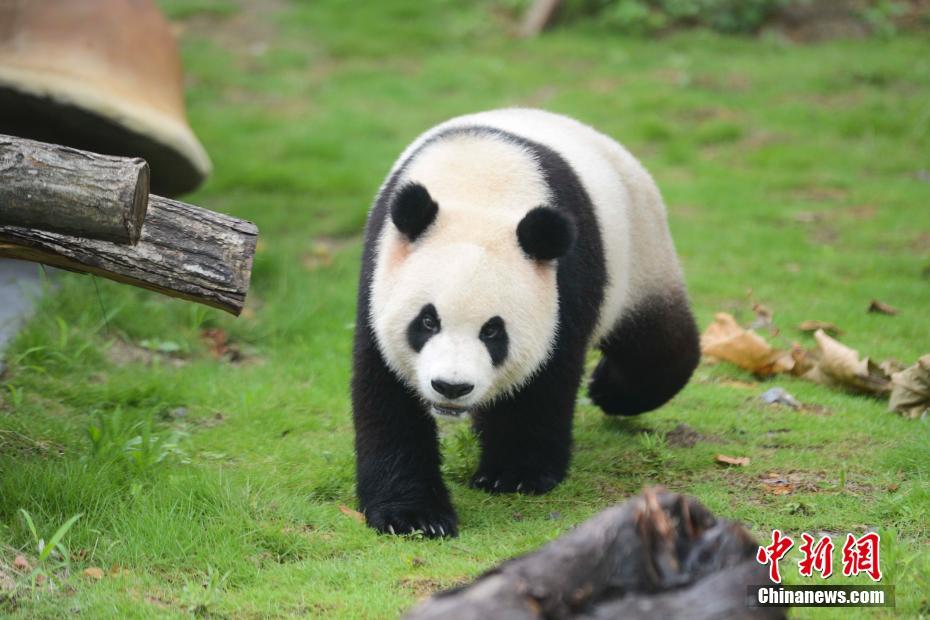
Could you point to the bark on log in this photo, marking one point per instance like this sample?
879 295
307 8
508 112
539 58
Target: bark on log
659 555
64 190
538 16
183 251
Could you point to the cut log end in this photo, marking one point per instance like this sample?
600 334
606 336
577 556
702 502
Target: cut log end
139 201
64 190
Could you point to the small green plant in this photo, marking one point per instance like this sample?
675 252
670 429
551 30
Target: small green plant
53 560
15 397
201 596
460 453
137 444
654 452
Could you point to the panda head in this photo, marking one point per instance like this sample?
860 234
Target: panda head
465 303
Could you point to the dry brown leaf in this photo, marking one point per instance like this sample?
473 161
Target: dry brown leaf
20 563
778 486
891 366
840 366
93 572
220 346
355 514
802 360
882 308
910 389
724 339
812 326
738 461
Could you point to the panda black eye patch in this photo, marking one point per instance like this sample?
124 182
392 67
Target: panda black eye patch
423 327
494 336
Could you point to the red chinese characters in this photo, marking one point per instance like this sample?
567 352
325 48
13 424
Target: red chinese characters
860 555
773 553
817 557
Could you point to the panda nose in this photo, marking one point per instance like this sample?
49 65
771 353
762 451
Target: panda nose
452 390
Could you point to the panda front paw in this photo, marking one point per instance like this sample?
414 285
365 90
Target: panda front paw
405 519
515 482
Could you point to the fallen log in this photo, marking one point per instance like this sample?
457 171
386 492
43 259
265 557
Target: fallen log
183 251
538 17
659 555
73 192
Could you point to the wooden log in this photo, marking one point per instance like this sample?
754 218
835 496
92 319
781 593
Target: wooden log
538 16
719 595
64 190
657 555
183 251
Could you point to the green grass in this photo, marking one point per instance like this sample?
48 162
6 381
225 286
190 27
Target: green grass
795 177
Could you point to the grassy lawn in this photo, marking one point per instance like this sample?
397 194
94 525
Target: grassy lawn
796 176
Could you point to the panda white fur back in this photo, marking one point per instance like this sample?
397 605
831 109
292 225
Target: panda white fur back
502 245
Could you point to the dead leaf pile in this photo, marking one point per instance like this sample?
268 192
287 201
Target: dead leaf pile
725 340
812 326
910 389
840 366
777 484
829 363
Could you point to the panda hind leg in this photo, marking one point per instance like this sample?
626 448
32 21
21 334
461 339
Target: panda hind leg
647 358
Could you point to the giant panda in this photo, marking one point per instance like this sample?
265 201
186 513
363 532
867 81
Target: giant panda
500 248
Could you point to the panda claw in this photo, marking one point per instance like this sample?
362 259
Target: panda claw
442 532
497 484
391 530
519 487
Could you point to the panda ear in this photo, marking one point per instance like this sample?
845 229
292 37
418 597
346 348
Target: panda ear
413 210
546 234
